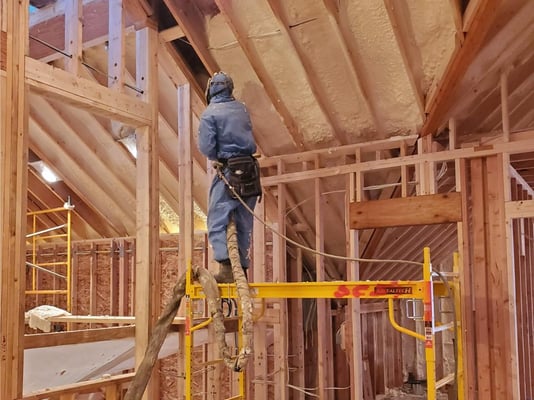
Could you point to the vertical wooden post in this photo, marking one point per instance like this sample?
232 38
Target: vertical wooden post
324 318
279 275
73 35
482 355
116 41
295 309
185 193
260 366
504 107
14 182
493 278
114 284
124 267
501 301
354 306
216 374
509 275
466 283
147 288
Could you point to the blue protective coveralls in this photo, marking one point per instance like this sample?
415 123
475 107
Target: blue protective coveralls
225 131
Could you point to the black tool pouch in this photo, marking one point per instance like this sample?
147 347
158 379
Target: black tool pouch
244 176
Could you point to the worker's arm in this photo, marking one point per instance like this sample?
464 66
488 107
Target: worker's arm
207 137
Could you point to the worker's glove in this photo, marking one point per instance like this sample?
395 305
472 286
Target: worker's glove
217 165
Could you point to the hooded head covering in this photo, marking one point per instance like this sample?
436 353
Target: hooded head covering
220 85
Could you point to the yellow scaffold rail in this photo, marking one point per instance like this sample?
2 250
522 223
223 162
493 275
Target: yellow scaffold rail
424 290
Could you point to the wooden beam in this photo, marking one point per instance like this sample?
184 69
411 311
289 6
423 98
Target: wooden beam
186 13
93 385
519 142
48 198
58 84
418 210
148 276
458 21
50 27
73 35
14 183
170 34
325 361
186 174
35 341
281 377
260 353
519 209
439 104
354 308
78 178
116 45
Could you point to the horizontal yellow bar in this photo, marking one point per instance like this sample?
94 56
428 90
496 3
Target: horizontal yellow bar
52 210
59 235
52 263
330 290
46 291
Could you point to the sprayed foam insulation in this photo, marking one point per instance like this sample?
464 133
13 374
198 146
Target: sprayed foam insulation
283 67
248 88
313 26
379 64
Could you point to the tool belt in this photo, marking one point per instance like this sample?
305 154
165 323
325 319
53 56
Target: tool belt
243 176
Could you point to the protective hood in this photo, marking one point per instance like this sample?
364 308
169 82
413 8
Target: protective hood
220 86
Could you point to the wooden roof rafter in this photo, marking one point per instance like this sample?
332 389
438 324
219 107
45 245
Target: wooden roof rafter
101 166
397 14
457 16
523 109
263 75
48 199
517 97
310 74
350 51
190 19
51 199
439 103
77 178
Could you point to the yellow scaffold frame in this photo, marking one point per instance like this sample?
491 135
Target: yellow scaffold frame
36 236
423 290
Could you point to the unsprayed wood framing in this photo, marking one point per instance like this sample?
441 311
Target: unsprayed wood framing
14 181
418 210
148 275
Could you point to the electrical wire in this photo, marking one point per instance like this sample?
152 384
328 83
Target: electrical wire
317 252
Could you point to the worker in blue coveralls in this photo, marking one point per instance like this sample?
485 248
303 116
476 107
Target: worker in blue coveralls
225 135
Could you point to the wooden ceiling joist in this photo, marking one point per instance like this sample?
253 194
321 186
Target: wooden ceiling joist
58 84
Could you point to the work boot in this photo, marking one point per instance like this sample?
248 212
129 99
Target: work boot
225 274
